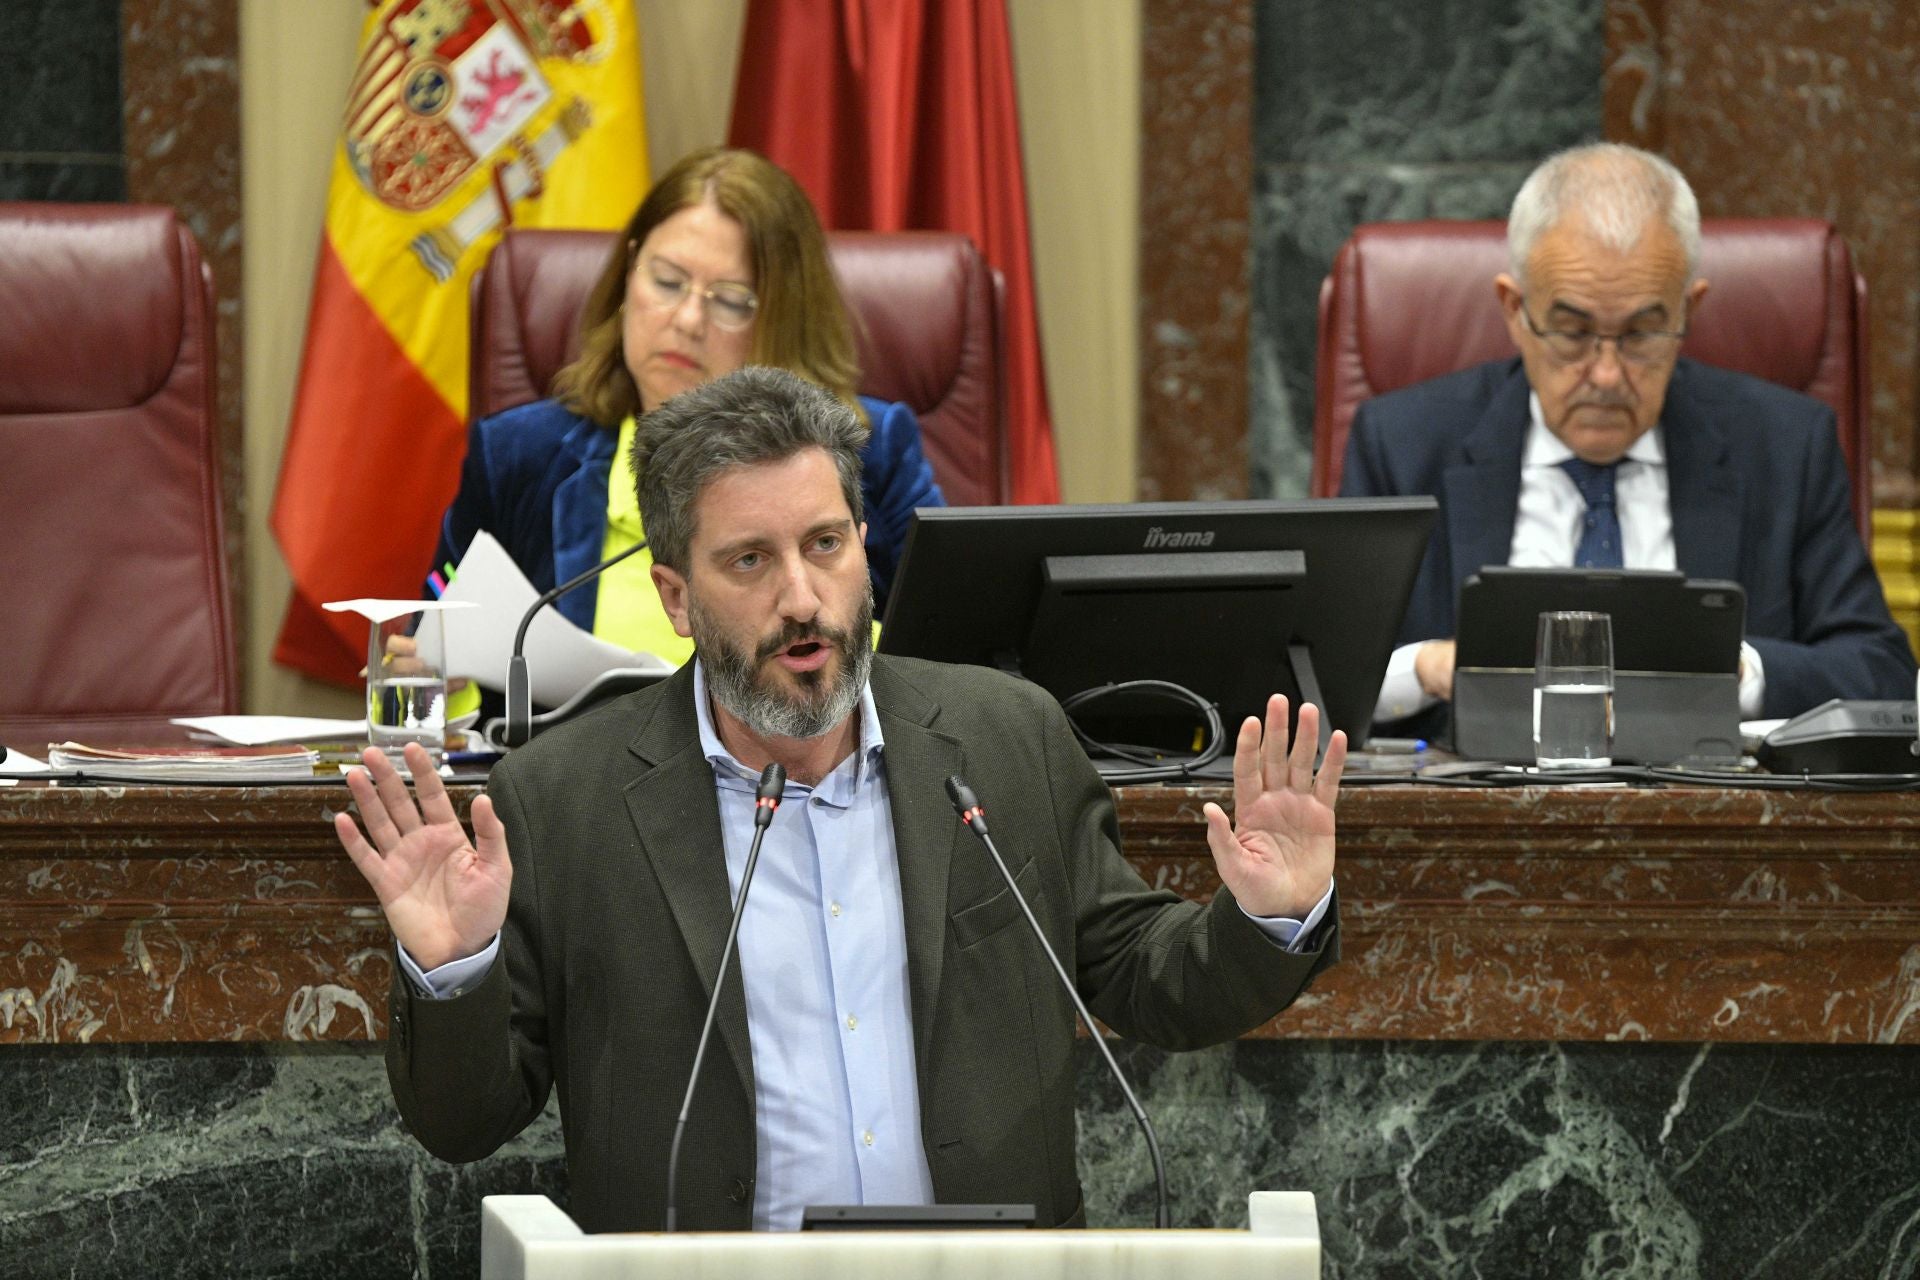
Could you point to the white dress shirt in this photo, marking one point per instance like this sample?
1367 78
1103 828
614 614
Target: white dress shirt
1546 534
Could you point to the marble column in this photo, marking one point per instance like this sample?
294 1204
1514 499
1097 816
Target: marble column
180 107
1803 111
1372 110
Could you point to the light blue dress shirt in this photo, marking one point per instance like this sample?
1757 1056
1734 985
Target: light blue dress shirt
823 950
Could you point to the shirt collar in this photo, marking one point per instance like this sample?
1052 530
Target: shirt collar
1545 449
858 766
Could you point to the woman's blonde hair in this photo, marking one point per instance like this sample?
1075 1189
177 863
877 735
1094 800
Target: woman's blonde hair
802 324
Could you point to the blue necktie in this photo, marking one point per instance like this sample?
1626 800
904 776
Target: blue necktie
1600 532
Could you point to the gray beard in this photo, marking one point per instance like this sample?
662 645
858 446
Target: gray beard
817 708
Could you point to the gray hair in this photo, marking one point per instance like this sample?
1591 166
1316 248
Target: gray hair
1614 189
750 416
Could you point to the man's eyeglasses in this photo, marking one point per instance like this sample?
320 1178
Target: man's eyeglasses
664 287
1635 346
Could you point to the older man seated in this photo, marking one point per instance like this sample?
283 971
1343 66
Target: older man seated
1600 446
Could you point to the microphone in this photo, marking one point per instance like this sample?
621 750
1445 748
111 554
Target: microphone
519 728
975 818
766 799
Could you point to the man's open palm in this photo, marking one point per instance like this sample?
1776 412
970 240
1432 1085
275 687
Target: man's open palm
445 897
1276 853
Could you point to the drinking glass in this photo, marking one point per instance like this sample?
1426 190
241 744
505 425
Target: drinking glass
407 696
1573 691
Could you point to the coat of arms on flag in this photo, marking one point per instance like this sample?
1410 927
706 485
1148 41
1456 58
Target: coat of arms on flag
462 117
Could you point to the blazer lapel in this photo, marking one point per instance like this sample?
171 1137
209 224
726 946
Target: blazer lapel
1702 491
1482 490
927 836
580 516
677 817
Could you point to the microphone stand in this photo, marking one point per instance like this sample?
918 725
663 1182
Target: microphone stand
773 782
976 821
519 728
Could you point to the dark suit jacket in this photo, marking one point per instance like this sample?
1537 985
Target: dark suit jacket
1758 490
619 914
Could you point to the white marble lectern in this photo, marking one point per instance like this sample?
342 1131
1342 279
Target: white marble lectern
529 1238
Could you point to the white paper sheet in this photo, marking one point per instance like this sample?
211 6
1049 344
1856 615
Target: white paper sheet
16 762
265 731
561 658
386 610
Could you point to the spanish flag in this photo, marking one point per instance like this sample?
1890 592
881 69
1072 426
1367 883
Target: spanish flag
464 117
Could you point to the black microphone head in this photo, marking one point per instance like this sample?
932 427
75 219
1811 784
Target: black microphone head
961 794
766 797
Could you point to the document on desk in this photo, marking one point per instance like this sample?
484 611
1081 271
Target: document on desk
12 761
561 658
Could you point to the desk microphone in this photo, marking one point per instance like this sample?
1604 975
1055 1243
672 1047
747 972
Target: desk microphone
976 819
766 798
519 694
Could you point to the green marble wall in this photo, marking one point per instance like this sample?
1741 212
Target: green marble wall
1372 110
60 101
1429 1160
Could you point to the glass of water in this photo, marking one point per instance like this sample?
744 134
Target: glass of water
1573 691
406 692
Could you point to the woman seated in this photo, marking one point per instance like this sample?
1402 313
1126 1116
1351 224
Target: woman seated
723 265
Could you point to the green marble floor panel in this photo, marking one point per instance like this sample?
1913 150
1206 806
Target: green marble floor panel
1428 1160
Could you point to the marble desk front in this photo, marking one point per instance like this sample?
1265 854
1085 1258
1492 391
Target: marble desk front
200 914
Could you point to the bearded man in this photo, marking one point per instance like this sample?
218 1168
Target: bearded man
892 1032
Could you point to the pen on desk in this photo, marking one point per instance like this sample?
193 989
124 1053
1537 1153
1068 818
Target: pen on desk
1397 746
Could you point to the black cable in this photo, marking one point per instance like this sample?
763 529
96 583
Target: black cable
1151 765
1502 775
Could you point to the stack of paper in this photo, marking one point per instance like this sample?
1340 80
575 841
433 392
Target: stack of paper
266 764
260 731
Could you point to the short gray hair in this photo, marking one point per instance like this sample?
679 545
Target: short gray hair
1616 190
750 416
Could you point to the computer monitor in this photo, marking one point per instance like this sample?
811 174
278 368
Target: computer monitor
1233 600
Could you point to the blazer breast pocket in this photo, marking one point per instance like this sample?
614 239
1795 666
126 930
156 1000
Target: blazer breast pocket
975 924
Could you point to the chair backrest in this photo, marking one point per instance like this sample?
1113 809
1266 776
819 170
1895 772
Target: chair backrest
924 304
1408 301
112 548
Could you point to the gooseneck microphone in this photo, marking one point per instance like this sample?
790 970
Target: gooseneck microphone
766 799
975 818
519 728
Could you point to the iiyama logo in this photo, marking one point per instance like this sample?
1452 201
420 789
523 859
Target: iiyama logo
1158 537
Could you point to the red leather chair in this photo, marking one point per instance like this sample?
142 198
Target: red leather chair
924 303
112 550
1408 301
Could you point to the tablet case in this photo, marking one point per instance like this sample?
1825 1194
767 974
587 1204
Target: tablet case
1676 658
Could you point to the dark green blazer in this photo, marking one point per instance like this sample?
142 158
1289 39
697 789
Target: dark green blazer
619 913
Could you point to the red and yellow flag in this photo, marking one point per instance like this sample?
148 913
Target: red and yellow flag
464 117
897 115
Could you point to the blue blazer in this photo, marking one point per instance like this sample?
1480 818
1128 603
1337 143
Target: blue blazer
535 477
1759 495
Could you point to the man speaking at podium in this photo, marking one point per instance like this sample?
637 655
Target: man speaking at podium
893 1033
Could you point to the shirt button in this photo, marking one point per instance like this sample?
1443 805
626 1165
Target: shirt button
834 908
867 1137
852 1022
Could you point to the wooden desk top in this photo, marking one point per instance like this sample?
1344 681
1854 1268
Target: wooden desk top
208 914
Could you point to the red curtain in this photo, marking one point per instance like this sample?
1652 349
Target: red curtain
899 115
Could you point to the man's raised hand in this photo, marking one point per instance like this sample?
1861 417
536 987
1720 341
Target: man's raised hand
445 897
1276 854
